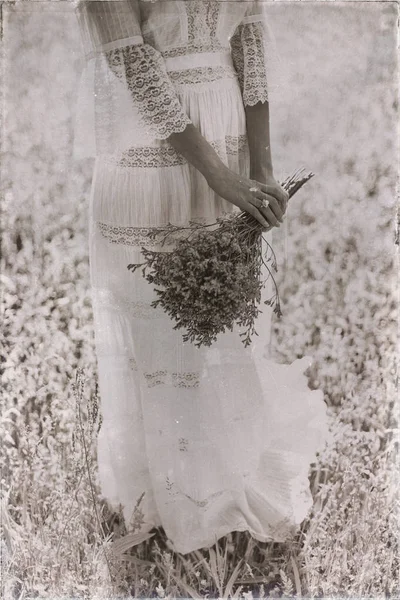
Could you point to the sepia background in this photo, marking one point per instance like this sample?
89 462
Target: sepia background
338 285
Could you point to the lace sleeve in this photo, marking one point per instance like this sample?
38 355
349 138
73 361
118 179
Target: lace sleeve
141 67
112 36
249 60
255 56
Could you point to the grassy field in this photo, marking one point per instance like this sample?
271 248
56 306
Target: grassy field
339 290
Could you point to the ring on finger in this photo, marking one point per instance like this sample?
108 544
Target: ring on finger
263 203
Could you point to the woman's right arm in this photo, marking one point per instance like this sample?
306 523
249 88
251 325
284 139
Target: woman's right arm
225 182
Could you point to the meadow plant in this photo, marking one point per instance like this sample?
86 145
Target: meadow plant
338 286
213 277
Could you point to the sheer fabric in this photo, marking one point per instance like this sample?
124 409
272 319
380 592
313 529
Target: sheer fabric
111 115
143 70
201 441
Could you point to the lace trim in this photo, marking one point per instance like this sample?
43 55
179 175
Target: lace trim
202 20
185 380
143 70
231 145
214 45
133 236
150 157
167 156
201 75
178 380
249 59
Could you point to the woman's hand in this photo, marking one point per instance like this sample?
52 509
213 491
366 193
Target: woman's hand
275 187
250 195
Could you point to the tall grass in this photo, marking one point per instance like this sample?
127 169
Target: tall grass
339 294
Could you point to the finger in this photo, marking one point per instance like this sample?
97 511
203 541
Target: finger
266 212
257 215
276 191
273 205
269 215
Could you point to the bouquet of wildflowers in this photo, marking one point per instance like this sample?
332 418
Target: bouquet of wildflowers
212 278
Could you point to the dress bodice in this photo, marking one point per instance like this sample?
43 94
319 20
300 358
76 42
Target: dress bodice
189 26
172 27
139 52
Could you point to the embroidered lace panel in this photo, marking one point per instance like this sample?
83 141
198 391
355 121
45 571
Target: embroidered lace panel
231 145
167 156
133 236
214 45
150 157
178 380
153 94
248 57
201 75
202 19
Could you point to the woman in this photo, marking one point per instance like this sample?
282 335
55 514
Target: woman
199 441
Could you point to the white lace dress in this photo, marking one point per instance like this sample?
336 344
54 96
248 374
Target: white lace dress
201 441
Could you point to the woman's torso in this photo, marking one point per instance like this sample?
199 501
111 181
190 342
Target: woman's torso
193 37
181 27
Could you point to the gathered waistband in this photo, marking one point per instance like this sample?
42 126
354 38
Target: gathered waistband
198 59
